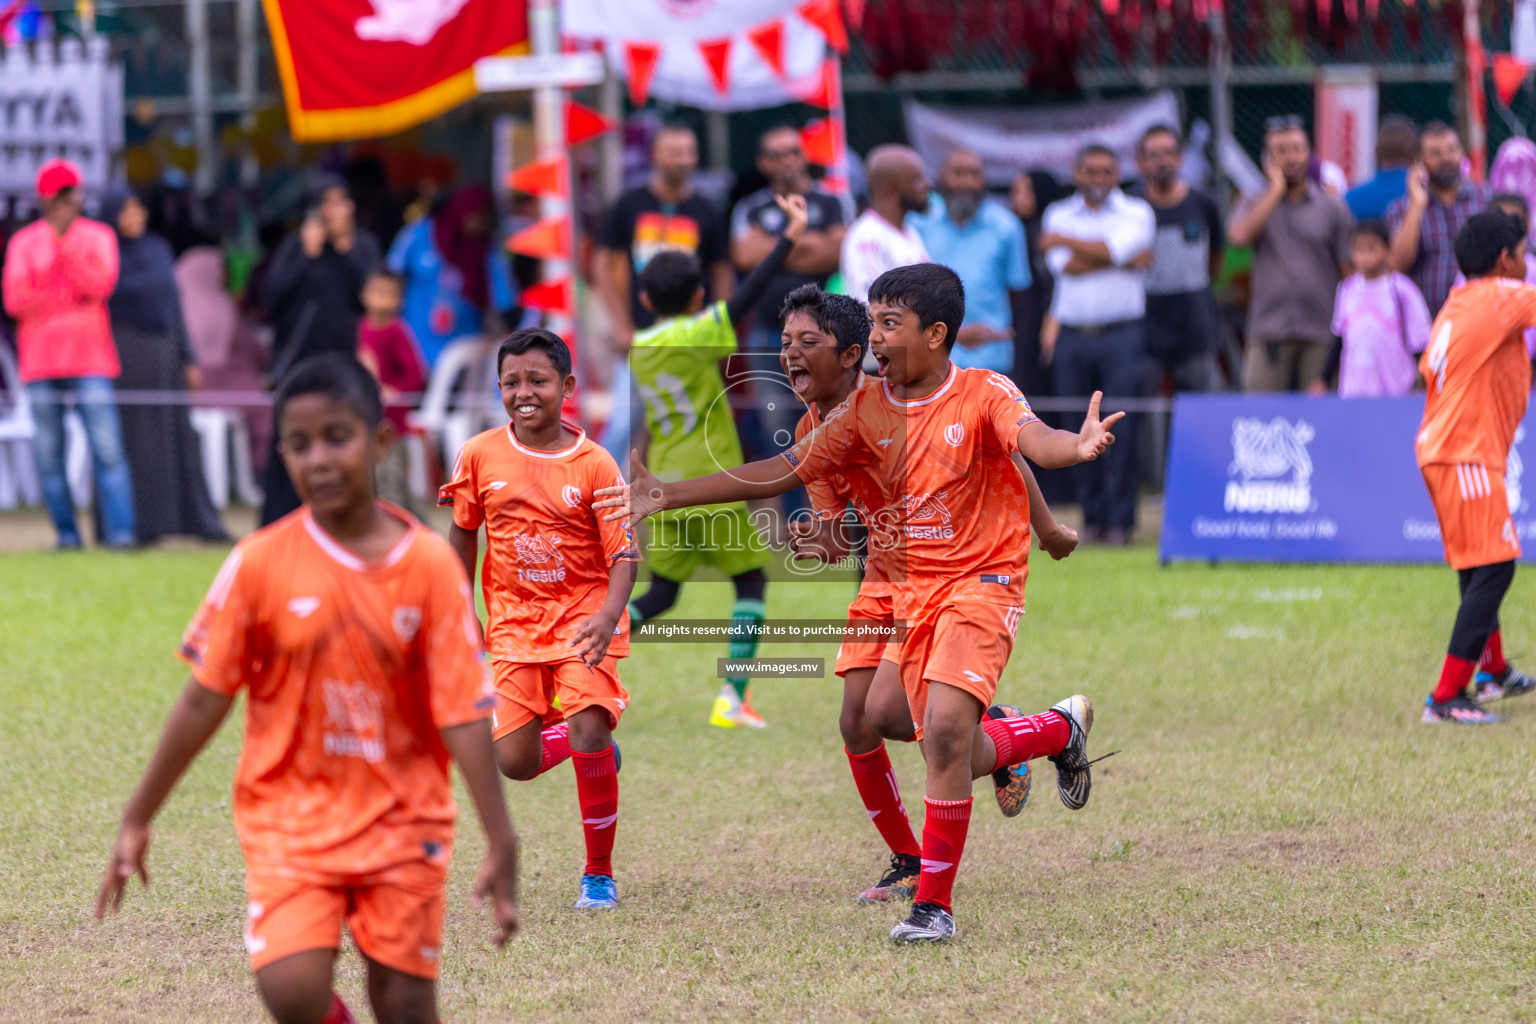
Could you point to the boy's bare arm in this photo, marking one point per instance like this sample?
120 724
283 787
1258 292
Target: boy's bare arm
1054 449
595 633
196 717
1055 540
465 544
470 746
648 495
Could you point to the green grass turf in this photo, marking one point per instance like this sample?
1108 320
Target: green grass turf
1280 839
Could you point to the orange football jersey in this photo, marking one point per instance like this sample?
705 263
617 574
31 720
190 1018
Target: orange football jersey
547 553
1477 374
350 670
952 502
832 494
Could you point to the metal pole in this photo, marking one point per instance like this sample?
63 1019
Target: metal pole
717 131
550 142
1221 97
201 95
610 152
245 73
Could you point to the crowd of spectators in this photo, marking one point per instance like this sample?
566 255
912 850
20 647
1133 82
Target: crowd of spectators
1108 282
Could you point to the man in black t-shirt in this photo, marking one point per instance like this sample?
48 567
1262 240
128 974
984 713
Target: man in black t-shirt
663 214
1181 326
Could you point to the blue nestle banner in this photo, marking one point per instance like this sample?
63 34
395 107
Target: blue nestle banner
1288 478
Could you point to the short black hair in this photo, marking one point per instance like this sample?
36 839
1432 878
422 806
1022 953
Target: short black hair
1514 199
1095 149
337 376
931 290
774 129
1437 128
1374 227
670 280
384 273
1160 129
522 340
1484 238
672 126
842 316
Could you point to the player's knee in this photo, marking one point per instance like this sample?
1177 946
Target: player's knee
516 763
293 998
591 730
947 742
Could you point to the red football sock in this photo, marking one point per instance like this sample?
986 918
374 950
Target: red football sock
597 787
1493 655
1027 737
876 782
1454 677
554 746
339 1014
944 832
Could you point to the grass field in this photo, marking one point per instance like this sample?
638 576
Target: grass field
1280 839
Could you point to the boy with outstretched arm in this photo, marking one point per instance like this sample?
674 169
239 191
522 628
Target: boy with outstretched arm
939 440
350 628
692 432
556 579
822 352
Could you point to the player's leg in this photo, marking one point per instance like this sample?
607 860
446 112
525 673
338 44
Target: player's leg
297 989
875 779
1496 678
400 998
733 707
888 708
595 698
1482 591
528 736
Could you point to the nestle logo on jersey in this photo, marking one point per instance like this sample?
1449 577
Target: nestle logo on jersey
920 509
1271 470
537 549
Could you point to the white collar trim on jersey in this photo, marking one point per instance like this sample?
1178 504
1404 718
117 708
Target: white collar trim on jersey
886 385
331 547
581 435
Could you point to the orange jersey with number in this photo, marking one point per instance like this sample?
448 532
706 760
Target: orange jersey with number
350 670
1477 374
547 553
952 504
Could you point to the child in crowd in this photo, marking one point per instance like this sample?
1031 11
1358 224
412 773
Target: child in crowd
556 579
348 625
1381 317
387 348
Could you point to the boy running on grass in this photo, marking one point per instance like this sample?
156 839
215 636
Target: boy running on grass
939 440
556 579
692 432
349 626
822 353
1477 381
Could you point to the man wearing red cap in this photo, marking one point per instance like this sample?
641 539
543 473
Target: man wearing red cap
59 271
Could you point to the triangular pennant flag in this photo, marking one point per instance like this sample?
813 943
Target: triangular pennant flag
826 17
1508 75
822 142
1111 7
855 10
768 39
552 296
546 177
583 123
548 239
717 57
641 58
823 94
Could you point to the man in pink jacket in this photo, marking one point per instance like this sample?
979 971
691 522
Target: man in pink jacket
59 271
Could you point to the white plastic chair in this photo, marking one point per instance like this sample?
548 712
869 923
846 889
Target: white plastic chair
18 471
225 442
465 369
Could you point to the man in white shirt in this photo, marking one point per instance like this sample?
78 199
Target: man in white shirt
880 239
1098 244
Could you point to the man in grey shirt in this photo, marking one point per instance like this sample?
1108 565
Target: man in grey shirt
1300 237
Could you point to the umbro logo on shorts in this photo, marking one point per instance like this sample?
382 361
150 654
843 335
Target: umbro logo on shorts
885 442
496 485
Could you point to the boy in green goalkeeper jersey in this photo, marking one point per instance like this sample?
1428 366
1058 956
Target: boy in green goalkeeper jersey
692 433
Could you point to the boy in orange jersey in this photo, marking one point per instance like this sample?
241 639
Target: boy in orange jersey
351 629
823 341
955 524
556 580
1477 382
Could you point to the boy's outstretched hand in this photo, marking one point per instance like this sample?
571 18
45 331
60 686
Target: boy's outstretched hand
128 852
1095 435
497 879
635 500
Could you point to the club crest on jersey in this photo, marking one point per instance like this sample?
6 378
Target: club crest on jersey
954 434
535 549
1271 470
572 495
927 517
406 622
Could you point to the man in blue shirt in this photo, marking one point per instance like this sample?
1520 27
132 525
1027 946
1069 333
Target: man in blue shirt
982 242
1397 143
